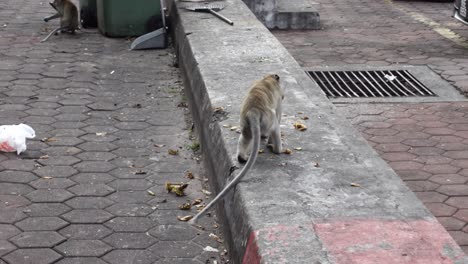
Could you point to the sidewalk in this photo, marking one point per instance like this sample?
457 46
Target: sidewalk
90 187
426 144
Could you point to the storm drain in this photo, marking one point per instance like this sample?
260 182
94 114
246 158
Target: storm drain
385 83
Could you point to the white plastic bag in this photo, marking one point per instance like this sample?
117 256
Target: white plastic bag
13 137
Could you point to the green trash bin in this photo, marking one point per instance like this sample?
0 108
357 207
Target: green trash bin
88 13
123 18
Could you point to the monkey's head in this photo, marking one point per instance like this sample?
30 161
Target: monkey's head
273 76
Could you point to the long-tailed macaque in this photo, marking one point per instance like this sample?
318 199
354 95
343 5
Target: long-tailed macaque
260 116
68 14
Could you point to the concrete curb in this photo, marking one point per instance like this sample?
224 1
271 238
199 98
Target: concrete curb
335 201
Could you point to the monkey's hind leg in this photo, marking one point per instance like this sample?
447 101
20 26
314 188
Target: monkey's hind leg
243 147
274 140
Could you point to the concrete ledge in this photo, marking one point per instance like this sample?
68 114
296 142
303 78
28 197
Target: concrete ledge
286 14
335 201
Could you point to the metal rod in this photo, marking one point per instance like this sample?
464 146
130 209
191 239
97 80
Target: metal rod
320 83
371 84
349 88
328 81
338 83
380 86
359 88
378 73
402 85
365 86
225 19
418 83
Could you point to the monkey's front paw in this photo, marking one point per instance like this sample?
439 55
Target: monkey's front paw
45 19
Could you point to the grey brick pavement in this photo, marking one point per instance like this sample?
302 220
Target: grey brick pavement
105 118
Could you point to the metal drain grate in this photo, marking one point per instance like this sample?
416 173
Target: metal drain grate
386 83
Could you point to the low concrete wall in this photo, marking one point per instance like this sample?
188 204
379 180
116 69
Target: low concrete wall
335 201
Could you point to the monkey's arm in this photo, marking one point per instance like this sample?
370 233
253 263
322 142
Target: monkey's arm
46 19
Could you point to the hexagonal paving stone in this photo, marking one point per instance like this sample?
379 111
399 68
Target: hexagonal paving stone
6 247
448 179
97 146
431 197
11 215
37 239
90 202
130 184
173 233
46 209
61 151
21 165
16 176
82 260
96 156
49 196
130 209
87 216
33 256
130 197
458 202
16 201
129 256
460 237
176 249
94 166
454 190
15 188
422 186
83 248
41 224
440 209
58 160
130 224
441 169
85 231
53 183
7 231
462 215
92 178
451 223
98 189
130 240
55 171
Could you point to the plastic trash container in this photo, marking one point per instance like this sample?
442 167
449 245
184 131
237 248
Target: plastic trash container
123 18
88 13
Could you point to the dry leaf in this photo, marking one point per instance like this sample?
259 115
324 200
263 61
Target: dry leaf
215 237
185 206
299 126
287 151
261 151
206 192
159 145
300 112
151 193
305 118
226 126
184 218
177 188
316 165
139 172
101 134
46 177
189 175
50 139
197 202
173 152
298 148
353 184
44 157
233 128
